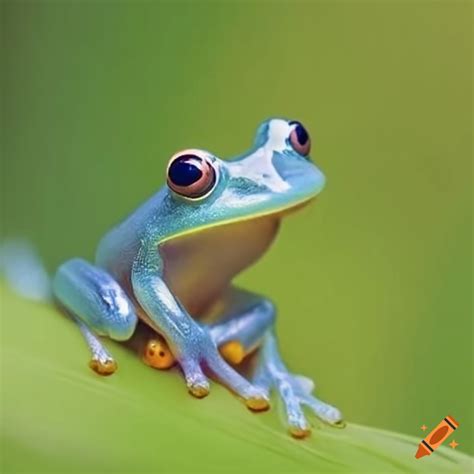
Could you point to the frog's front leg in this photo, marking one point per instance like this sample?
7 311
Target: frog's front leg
237 332
191 344
98 304
247 323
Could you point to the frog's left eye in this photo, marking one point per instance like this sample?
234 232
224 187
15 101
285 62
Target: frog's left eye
191 174
299 139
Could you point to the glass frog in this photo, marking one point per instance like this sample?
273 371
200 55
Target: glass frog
171 264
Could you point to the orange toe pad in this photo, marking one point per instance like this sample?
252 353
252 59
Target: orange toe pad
299 433
233 352
103 368
158 355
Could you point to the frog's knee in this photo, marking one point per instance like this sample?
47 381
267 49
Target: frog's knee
92 294
121 320
268 310
264 314
157 354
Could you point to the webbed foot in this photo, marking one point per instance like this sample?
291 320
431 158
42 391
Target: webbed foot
200 350
296 394
295 391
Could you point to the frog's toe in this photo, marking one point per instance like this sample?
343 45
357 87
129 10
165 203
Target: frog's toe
255 398
103 366
196 381
298 425
199 391
233 352
325 412
258 402
158 355
299 432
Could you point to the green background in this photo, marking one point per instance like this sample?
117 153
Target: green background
372 282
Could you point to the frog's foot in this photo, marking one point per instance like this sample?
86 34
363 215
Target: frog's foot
198 385
203 353
157 354
295 393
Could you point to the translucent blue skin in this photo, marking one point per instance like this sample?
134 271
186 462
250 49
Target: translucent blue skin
136 271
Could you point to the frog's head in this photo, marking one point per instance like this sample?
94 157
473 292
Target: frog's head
274 176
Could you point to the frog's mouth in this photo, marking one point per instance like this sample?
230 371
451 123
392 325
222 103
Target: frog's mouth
275 213
294 208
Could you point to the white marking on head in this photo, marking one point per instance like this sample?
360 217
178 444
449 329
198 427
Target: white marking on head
278 132
259 168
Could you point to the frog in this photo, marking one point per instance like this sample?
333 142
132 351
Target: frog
171 264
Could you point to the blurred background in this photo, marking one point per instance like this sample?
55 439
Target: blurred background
373 282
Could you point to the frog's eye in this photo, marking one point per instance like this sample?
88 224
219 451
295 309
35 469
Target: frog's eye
191 174
299 139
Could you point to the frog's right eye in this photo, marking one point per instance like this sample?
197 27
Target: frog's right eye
191 174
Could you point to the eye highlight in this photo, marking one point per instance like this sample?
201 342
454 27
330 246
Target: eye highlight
191 174
299 138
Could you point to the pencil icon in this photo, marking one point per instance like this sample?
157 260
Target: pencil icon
436 437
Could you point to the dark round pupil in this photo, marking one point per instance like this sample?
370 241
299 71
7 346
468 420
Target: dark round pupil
183 172
301 133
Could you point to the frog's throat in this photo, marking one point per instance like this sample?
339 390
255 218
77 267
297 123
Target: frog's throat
277 212
198 267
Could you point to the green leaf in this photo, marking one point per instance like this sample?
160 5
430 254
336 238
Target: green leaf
58 416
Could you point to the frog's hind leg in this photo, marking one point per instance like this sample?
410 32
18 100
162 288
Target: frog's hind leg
241 332
98 304
250 325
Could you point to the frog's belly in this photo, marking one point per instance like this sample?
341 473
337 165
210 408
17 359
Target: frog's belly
199 267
